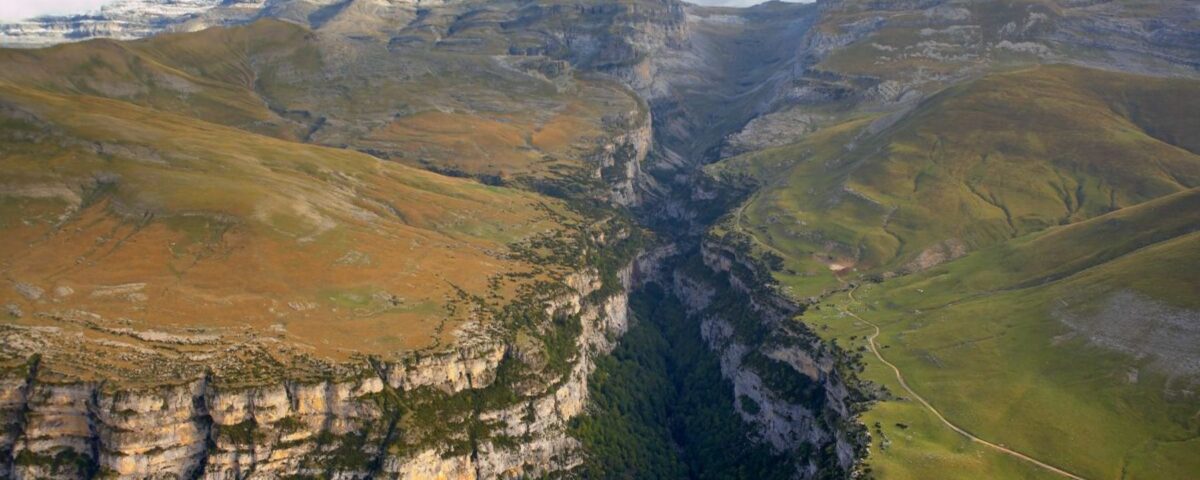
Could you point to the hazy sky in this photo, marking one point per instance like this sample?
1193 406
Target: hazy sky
733 3
21 9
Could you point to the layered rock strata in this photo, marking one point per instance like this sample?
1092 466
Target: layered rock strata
786 381
421 418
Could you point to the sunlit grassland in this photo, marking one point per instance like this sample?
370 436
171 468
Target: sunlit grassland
981 339
1067 190
464 112
230 228
973 166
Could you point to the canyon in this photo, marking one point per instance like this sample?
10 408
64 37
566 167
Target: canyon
651 94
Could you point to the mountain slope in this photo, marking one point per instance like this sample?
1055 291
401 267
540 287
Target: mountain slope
209 227
209 75
996 158
926 45
193 283
474 112
1025 243
1075 345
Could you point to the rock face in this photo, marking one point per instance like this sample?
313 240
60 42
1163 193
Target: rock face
701 72
785 379
361 426
619 160
125 19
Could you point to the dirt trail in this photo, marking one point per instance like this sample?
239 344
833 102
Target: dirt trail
936 413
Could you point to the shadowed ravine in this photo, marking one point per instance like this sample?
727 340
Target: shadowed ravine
795 410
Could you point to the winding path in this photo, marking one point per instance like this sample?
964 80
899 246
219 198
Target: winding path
900 376
936 413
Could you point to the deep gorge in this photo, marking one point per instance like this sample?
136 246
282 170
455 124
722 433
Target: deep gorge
709 378
501 239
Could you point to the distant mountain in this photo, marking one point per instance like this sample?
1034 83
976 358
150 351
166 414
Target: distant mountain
123 20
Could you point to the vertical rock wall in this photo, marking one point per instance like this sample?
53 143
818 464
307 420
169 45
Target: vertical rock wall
335 427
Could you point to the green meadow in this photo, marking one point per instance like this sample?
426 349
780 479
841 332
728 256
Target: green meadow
993 354
1026 243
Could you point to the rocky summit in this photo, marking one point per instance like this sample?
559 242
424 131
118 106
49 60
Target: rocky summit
470 239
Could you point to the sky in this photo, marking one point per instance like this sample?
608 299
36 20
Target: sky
12 10
730 3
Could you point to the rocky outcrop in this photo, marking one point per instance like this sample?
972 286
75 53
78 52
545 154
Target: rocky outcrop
772 130
164 430
1132 38
365 425
619 159
529 437
470 365
14 392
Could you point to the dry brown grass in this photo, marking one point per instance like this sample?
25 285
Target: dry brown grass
331 250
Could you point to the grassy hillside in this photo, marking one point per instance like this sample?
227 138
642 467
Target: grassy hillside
210 74
462 111
1074 345
211 182
142 219
975 165
1033 238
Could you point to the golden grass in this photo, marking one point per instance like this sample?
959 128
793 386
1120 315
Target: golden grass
230 230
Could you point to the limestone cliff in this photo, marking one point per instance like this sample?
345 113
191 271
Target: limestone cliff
619 158
425 417
785 379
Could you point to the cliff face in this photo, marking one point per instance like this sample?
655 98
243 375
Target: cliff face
785 380
356 427
619 158
704 73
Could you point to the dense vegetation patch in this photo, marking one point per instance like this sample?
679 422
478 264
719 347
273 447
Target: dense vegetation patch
660 408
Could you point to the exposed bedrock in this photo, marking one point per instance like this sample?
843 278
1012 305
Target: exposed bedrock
361 426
